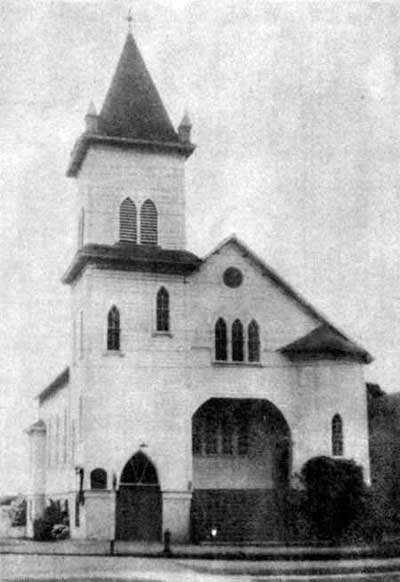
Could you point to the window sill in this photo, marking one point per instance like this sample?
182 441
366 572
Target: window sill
162 334
229 363
114 353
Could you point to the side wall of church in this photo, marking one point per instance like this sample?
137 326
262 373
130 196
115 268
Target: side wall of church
58 462
109 175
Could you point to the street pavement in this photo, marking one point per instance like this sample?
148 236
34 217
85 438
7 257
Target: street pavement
46 568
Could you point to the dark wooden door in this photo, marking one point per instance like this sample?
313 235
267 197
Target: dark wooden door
139 513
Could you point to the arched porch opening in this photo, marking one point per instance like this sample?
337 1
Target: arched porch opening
241 467
138 504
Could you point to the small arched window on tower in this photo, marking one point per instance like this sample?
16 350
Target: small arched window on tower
113 329
148 223
337 436
221 352
237 341
253 342
127 221
162 310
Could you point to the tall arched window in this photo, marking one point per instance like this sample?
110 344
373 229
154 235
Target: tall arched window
221 352
162 310
127 221
113 329
337 436
148 223
253 342
237 341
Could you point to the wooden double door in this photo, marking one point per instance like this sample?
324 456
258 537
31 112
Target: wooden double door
139 506
139 513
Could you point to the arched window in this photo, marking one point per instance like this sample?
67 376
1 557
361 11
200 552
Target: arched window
113 329
81 228
337 436
148 223
253 342
221 352
162 310
237 341
98 479
127 221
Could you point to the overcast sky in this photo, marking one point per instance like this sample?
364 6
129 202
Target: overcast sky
295 107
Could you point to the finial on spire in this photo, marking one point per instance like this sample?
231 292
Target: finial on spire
129 19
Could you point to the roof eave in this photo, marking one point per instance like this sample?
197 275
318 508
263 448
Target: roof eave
361 357
87 139
102 261
58 383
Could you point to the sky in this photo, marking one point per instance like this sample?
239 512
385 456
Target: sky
295 109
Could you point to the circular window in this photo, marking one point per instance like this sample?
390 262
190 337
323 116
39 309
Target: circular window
233 277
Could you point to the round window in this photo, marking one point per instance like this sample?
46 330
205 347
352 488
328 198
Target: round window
233 277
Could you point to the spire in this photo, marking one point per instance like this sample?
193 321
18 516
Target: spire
185 128
133 107
91 119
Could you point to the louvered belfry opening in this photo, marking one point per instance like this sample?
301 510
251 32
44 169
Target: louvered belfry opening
148 224
127 221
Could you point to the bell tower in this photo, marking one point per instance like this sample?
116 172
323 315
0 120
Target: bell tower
129 164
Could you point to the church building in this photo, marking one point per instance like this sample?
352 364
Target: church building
197 387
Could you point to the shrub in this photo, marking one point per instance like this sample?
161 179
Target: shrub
60 532
42 530
336 497
53 524
17 512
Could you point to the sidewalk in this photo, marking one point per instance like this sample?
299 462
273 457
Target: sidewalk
91 560
261 552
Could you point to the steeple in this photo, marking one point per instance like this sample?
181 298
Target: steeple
133 107
133 115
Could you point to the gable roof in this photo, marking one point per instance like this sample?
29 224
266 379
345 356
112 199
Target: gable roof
287 289
325 341
59 382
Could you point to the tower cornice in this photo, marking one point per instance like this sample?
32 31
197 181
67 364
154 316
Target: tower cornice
88 139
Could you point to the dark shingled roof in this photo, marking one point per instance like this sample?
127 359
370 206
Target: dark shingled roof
133 107
61 381
325 341
133 115
131 257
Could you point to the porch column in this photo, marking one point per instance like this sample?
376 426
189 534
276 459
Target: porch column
37 474
176 515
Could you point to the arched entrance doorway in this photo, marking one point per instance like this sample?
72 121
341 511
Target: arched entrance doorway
139 501
241 467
